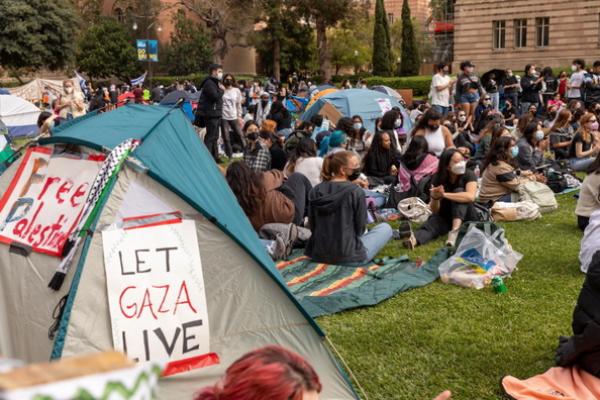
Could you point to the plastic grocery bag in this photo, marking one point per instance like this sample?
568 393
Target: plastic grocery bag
479 258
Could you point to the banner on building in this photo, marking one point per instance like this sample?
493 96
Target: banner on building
44 201
156 292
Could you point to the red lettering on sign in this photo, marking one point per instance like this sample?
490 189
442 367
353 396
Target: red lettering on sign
147 303
49 182
162 303
128 307
64 188
79 193
187 301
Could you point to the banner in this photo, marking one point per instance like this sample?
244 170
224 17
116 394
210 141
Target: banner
141 50
152 50
156 292
44 201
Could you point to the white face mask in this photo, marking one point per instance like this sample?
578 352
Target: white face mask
539 135
459 168
220 76
398 123
462 118
573 68
69 89
357 125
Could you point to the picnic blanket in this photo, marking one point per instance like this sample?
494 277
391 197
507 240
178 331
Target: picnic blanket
554 384
324 289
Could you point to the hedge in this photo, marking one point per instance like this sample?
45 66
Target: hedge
194 78
419 84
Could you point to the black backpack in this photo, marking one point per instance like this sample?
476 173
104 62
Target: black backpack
556 181
420 190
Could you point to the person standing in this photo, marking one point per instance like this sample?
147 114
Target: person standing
591 91
531 84
210 108
511 89
232 114
577 78
440 89
493 91
550 85
71 103
468 89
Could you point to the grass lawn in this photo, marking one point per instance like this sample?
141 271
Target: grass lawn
421 342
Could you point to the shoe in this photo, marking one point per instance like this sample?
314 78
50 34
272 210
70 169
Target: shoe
411 242
404 230
452 236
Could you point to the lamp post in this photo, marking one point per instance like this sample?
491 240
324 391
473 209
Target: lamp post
148 27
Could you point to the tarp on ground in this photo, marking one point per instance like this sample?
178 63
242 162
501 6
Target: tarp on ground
369 104
33 91
324 289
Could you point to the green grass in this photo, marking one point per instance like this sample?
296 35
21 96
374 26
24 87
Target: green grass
421 342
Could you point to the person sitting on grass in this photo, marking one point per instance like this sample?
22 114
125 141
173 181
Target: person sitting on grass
269 197
452 197
338 216
380 164
561 135
583 348
585 144
304 160
531 147
417 163
500 179
270 373
589 195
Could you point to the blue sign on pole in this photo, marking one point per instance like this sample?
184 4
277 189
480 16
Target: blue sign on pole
141 50
152 50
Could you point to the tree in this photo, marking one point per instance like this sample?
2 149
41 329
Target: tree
190 50
381 42
351 44
325 14
225 20
409 60
106 49
90 11
36 34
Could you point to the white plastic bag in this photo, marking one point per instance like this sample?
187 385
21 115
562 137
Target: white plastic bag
414 209
478 259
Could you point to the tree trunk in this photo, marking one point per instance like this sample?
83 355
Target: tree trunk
323 50
277 59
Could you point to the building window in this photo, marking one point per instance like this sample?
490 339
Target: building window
542 26
499 28
391 18
520 32
119 15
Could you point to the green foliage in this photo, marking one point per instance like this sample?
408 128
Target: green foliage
419 84
410 61
36 34
381 42
351 44
439 337
190 50
194 78
106 50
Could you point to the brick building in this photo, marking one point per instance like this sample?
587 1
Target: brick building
513 33
419 9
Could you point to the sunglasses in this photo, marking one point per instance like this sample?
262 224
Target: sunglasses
487 99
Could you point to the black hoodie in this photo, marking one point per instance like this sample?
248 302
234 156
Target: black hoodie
338 218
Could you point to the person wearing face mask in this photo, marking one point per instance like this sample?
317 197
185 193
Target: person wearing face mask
531 154
452 198
210 108
509 113
263 108
591 90
71 103
492 91
485 103
390 123
256 154
356 141
550 85
441 84
438 136
531 84
468 89
561 135
232 115
500 179
585 145
511 90
337 216
576 82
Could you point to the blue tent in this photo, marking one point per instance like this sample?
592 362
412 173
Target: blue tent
248 302
369 104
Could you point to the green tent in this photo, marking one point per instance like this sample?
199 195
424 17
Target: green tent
248 302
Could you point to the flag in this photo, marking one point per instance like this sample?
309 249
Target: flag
82 84
139 80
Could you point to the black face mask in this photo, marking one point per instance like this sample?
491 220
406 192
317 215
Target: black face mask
433 127
264 103
252 136
355 175
228 82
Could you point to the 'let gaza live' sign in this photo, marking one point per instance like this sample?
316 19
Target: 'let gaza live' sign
44 201
156 291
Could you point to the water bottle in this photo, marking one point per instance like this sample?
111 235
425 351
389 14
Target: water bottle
477 171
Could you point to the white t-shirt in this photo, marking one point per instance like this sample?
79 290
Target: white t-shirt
310 168
442 97
576 80
232 104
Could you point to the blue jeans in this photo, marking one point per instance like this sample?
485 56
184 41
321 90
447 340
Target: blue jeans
441 109
495 100
375 239
581 164
469 98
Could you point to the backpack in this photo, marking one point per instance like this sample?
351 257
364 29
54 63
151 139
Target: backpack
540 194
556 181
419 190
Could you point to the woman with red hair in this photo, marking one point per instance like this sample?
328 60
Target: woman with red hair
270 373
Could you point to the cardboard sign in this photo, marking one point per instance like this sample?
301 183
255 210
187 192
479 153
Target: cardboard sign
156 291
384 104
44 201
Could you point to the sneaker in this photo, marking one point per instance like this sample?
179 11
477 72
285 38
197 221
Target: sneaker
404 230
411 242
452 236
